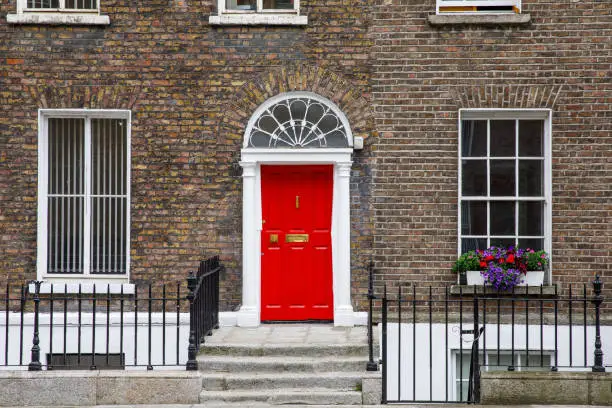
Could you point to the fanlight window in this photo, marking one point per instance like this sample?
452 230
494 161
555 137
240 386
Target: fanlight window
298 122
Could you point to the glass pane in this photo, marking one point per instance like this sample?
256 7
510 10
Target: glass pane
474 218
108 237
108 156
532 243
474 178
43 4
66 156
503 138
278 4
505 360
502 217
502 178
241 4
531 138
531 217
65 234
81 4
470 244
531 178
502 242
474 138
462 390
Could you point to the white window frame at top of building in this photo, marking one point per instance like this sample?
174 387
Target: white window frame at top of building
34 12
488 115
257 16
478 6
120 272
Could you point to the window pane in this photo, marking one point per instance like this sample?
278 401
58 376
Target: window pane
502 178
535 244
81 4
503 138
109 187
531 216
502 242
474 218
277 4
471 244
502 217
65 205
241 4
531 138
531 178
474 138
43 4
474 177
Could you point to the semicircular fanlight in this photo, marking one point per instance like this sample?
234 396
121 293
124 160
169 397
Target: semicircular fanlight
298 122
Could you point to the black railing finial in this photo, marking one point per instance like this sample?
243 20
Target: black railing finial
598 366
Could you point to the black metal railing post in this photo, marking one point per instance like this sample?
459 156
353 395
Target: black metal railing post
598 366
475 375
35 364
192 363
384 346
372 365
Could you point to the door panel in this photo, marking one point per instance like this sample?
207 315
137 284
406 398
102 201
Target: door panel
296 261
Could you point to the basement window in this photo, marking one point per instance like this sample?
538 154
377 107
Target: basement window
74 361
478 6
58 12
258 12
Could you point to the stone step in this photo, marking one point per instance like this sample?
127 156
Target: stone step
339 381
313 396
284 350
242 364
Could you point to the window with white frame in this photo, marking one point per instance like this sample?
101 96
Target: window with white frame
497 361
478 6
83 207
504 179
252 12
60 5
79 12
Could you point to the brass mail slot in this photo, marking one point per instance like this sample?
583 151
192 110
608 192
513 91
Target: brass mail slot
296 238
273 238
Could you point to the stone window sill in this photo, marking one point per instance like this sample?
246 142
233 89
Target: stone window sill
57 19
258 19
478 19
535 291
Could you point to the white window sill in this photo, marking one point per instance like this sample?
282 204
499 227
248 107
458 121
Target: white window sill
258 19
57 19
86 288
478 18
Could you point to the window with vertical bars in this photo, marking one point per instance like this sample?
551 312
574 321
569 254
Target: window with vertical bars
62 5
87 168
503 199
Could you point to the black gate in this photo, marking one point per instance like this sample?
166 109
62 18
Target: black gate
436 341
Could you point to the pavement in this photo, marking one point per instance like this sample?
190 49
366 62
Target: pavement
259 405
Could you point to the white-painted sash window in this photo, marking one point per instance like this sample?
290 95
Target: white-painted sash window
60 5
258 12
478 6
83 193
504 179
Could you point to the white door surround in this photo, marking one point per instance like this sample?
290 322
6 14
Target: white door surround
251 161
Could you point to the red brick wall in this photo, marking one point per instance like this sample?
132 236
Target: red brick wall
422 75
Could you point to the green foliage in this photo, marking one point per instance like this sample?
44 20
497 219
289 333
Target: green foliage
536 261
468 261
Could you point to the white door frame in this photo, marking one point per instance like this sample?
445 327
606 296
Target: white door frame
252 159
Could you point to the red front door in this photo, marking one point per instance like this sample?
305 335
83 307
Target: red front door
296 260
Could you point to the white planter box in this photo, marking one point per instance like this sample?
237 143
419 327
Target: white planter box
533 278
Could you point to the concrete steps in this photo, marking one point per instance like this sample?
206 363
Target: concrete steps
283 373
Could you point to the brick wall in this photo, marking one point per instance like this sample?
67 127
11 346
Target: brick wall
422 75
181 78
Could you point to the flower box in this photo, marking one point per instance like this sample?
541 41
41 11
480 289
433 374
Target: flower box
532 278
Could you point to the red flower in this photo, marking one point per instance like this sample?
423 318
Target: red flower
488 258
510 259
483 264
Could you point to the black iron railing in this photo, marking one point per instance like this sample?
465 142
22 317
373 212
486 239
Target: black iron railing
435 344
107 326
203 305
